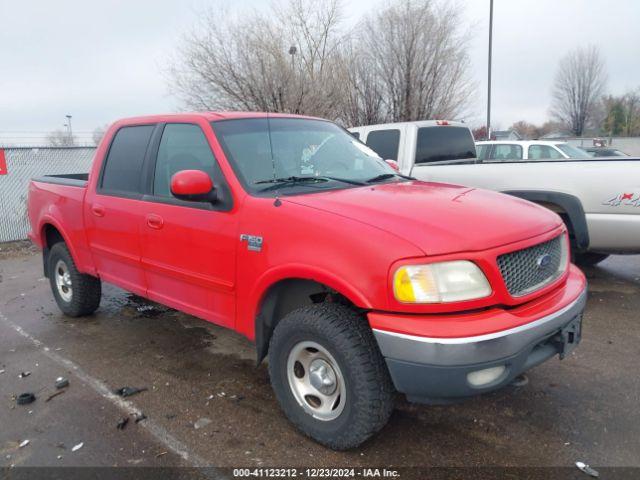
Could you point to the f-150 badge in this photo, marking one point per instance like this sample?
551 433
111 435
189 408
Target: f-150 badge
625 199
254 243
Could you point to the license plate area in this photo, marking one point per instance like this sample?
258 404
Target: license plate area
569 336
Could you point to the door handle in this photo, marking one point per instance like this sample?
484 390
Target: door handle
155 221
98 210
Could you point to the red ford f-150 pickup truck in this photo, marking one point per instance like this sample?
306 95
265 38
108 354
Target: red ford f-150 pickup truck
355 280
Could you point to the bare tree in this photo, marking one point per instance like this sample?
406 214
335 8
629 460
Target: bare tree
579 84
98 133
59 138
632 112
283 62
418 54
362 100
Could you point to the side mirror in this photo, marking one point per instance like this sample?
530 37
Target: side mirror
393 164
193 185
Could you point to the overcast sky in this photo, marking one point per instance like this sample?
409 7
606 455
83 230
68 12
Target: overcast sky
102 60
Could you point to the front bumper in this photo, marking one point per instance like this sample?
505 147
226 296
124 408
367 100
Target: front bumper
431 370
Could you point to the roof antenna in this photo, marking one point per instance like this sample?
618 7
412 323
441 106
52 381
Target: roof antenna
277 201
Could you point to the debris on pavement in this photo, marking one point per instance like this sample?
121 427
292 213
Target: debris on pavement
161 454
520 381
139 416
129 391
61 382
77 447
24 374
201 423
25 398
122 423
587 469
1 371
55 394
23 444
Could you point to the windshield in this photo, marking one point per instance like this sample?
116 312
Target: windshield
571 151
280 149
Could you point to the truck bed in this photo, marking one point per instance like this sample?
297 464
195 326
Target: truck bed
69 179
56 199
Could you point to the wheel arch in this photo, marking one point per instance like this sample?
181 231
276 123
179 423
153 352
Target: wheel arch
51 233
287 294
569 207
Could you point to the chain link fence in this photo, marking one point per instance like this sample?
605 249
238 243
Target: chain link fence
24 163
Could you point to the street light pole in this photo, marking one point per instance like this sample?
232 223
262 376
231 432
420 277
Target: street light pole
292 51
489 70
69 125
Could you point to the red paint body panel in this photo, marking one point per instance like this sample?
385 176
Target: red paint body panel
351 240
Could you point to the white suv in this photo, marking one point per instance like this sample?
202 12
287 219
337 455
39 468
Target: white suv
527 150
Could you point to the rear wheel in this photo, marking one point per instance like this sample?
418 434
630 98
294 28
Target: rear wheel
329 376
76 293
589 259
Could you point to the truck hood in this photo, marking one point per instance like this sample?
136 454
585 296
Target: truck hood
436 217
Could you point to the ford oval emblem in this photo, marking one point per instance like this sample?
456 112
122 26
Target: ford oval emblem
543 260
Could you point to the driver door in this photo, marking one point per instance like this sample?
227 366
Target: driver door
189 248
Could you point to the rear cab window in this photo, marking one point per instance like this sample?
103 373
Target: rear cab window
385 143
122 170
444 143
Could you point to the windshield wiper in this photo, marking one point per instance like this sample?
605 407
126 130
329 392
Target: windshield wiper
379 178
344 180
285 181
386 176
295 180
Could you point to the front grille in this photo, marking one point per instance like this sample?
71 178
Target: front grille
527 270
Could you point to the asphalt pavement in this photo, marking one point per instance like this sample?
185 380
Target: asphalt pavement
206 402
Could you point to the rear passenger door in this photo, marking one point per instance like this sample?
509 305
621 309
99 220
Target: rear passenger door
188 249
114 210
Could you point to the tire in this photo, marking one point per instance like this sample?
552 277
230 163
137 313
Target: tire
77 294
364 389
590 259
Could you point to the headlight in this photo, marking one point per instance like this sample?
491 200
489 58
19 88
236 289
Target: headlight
440 282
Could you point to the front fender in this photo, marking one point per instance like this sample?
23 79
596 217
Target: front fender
305 272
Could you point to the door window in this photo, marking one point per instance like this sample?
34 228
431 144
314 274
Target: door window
482 150
123 165
542 152
385 143
505 152
182 147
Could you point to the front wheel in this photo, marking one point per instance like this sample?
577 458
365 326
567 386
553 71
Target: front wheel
329 376
76 293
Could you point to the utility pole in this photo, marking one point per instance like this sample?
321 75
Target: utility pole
489 70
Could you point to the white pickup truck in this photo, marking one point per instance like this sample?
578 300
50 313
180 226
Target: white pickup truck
599 200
